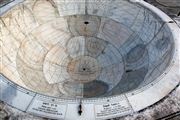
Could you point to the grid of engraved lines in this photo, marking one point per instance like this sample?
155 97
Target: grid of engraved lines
95 49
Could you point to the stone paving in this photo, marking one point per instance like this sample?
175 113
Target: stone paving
171 7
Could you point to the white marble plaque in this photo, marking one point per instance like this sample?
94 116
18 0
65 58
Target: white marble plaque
47 109
110 109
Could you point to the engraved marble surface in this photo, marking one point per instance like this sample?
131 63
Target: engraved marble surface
154 112
83 48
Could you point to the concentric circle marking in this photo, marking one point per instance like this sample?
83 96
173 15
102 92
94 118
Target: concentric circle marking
84 69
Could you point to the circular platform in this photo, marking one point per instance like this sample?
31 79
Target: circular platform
87 59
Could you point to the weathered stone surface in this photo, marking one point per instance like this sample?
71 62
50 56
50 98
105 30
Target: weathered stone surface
166 106
171 103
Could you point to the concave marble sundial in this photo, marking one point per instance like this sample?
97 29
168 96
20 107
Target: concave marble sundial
111 57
